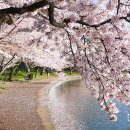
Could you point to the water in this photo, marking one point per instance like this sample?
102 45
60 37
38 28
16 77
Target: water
73 108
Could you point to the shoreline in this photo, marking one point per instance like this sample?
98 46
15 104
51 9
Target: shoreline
42 102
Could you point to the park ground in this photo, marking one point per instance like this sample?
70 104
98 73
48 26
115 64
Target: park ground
20 107
19 104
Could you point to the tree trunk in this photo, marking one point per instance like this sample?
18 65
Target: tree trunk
10 74
5 75
1 67
16 70
36 70
41 70
70 71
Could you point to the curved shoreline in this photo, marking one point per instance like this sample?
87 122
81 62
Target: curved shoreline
42 105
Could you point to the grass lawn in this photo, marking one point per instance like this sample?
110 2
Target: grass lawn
21 74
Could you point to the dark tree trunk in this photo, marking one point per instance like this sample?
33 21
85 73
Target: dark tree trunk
5 75
41 70
70 71
47 71
1 67
36 70
10 74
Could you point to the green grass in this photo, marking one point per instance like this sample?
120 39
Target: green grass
74 72
21 74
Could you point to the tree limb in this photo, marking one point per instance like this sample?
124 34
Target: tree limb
30 8
118 7
51 17
102 23
23 9
4 67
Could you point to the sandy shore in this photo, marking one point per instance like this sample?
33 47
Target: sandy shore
23 106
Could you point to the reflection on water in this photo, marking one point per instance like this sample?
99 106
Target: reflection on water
73 108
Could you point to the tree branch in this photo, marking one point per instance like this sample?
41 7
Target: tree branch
118 7
51 18
102 23
4 67
5 13
23 9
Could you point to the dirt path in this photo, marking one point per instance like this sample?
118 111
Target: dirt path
18 106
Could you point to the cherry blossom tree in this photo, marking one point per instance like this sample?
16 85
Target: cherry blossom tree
93 36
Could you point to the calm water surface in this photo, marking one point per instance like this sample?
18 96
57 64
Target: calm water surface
73 108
